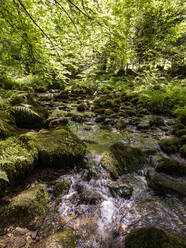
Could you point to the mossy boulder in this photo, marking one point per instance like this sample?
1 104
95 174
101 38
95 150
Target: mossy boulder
121 189
82 107
151 237
170 145
156 121
183 151
171 167
164 184
62 239
183 140
121 124
59 148
28 208
180 132
122 159
62 188
17 159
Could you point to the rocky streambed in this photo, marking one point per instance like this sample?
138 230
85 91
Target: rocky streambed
128 191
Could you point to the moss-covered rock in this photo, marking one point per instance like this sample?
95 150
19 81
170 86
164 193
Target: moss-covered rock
62 188
170 145
122 159
62 239
17 159
156 121
151 237
28 208
171 167
82 107
122 189
180 132
183 151
121 124
183 140
59 148
165 184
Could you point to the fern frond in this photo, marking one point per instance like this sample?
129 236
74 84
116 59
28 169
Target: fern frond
3 175
25 109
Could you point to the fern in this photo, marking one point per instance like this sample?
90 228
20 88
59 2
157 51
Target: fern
3 175
8 156
25 109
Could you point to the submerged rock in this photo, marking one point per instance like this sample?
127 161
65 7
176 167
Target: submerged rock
28 208
165 184
62 239
171 167
122 159
151 237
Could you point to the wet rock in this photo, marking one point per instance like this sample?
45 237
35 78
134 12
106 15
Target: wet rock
108 112
170 144
63 239
151 237
100 118
143 125
82 107
121 124
62 188
121 189
156 121
122 159
183 151
171 167
54 122
28 208
165 184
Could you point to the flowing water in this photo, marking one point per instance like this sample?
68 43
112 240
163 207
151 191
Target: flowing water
101 219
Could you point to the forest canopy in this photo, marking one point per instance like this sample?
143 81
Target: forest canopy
57 39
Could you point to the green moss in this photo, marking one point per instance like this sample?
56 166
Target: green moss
151 237
183 151
181 132
59 148
109 162
156 121
122 159
171 167
16 159
7 125
28 208
62 239
62 188
170 145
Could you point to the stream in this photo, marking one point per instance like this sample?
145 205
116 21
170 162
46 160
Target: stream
101 218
